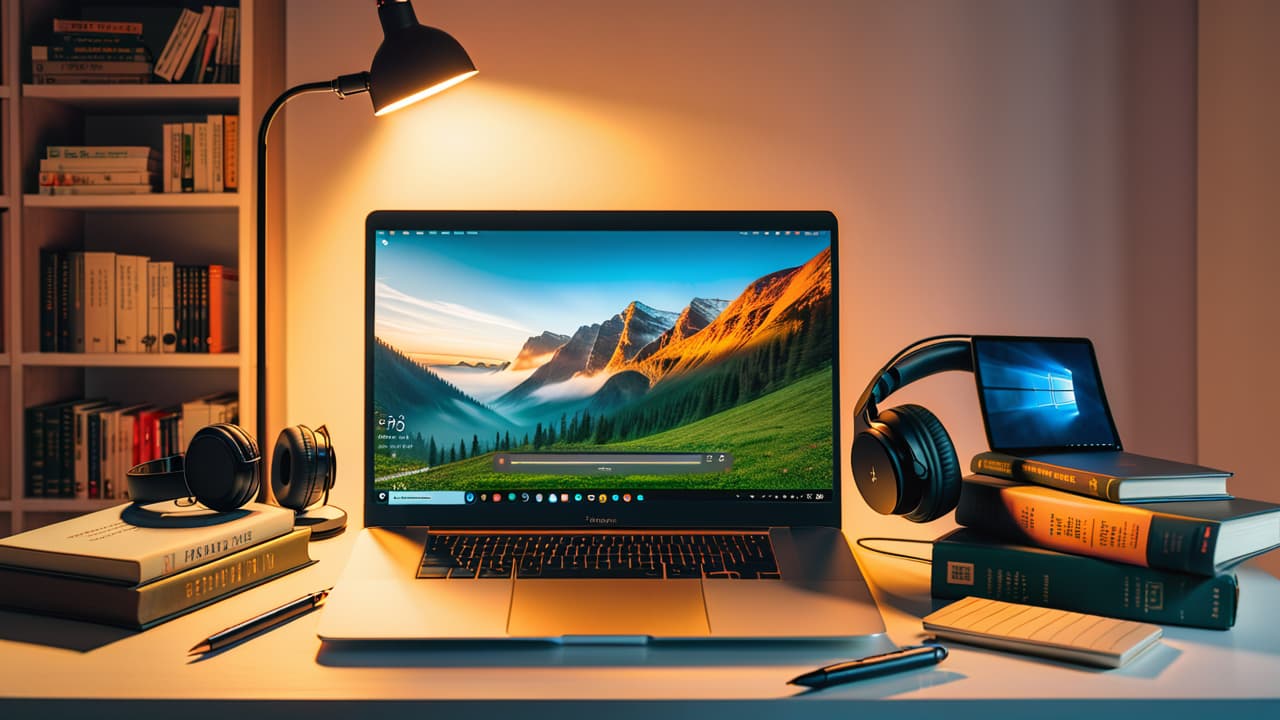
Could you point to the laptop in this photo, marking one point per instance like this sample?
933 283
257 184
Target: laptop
601 427
1042 399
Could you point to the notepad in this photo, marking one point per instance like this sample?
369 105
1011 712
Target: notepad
1071 636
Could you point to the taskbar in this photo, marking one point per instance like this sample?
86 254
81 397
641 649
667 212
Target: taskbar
593 497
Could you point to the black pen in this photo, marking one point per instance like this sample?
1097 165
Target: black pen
261 623
907 658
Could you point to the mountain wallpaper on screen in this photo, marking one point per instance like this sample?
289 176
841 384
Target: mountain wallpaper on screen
749 375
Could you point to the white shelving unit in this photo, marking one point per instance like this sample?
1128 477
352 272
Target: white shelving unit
187 228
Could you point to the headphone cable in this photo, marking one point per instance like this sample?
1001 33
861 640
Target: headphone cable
862 543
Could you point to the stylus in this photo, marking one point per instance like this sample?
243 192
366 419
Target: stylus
905 659
261 623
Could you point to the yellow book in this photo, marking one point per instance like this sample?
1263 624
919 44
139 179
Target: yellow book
147 604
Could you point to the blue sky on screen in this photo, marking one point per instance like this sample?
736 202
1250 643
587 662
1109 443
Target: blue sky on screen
479 297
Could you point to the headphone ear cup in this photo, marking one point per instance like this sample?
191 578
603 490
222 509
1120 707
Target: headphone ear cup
935 465
222 467
879 472
296 475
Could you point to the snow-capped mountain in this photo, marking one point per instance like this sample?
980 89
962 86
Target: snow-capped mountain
641 325
699 313
607 346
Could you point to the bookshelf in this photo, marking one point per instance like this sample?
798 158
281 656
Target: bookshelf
196 228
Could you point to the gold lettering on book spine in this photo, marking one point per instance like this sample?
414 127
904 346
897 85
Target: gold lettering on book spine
240 573
1050 475
1001 467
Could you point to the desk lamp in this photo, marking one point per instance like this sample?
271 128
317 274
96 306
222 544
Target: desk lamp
413 63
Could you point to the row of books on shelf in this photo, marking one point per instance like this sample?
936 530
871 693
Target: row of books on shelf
83 448
203 47
101 568
106 302
1167 560
195 157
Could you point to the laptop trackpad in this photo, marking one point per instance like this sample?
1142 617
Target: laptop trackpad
611 608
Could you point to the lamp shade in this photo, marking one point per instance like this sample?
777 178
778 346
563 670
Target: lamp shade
414 61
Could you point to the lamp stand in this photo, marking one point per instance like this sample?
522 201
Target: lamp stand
323 521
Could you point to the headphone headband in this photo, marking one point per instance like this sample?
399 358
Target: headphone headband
903 461
920 359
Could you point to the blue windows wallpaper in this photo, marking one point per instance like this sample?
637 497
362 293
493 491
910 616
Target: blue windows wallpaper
1044 394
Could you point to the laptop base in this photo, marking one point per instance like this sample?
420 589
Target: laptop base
821 595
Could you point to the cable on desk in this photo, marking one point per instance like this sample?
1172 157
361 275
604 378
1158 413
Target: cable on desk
862 543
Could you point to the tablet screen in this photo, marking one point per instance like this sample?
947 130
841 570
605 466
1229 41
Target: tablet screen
1042 394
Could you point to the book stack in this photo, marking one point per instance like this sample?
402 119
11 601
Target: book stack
201 156
83 448
204 47
90 52
1150 546
100 568
99 302
98 170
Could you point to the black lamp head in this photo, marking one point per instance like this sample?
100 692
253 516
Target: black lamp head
414 61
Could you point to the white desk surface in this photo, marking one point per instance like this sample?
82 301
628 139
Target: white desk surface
53 668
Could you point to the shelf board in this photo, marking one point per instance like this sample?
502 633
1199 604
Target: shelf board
131 360
4 359
70 505
4 92
150 201
4 201
116 97
6 505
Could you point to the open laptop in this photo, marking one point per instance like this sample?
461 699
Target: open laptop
601 427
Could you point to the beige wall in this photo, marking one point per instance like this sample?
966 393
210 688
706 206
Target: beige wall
990 162
1239 221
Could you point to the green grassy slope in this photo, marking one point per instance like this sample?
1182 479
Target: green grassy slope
779 441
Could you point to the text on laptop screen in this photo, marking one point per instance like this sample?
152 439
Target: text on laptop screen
1042 394
619 366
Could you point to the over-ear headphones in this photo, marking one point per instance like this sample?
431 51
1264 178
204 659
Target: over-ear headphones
221 469
304 466
903 460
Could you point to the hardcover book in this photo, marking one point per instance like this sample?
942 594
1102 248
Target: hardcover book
99 296
968 563
88 78
1203 537
144 605
169 58
1113 476
224 309
102 545
139 189
48 301
99 151
63 25
97 178
99 165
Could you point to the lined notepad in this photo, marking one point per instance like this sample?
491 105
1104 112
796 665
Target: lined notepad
1071 636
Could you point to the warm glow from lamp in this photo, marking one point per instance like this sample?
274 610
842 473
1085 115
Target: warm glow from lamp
424 94
411 56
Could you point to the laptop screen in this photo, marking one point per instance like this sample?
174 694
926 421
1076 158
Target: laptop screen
1042 395
601 368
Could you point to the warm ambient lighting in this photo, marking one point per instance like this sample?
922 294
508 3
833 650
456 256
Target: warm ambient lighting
424 94
411 57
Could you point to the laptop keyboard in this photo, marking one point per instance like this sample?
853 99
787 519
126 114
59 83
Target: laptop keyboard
600 555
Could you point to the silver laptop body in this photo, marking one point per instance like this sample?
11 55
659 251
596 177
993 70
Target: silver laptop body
573 380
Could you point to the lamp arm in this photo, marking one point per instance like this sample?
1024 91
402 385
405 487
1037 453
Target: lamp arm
341 86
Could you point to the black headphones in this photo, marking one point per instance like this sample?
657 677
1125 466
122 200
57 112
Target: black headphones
903 460
221 469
